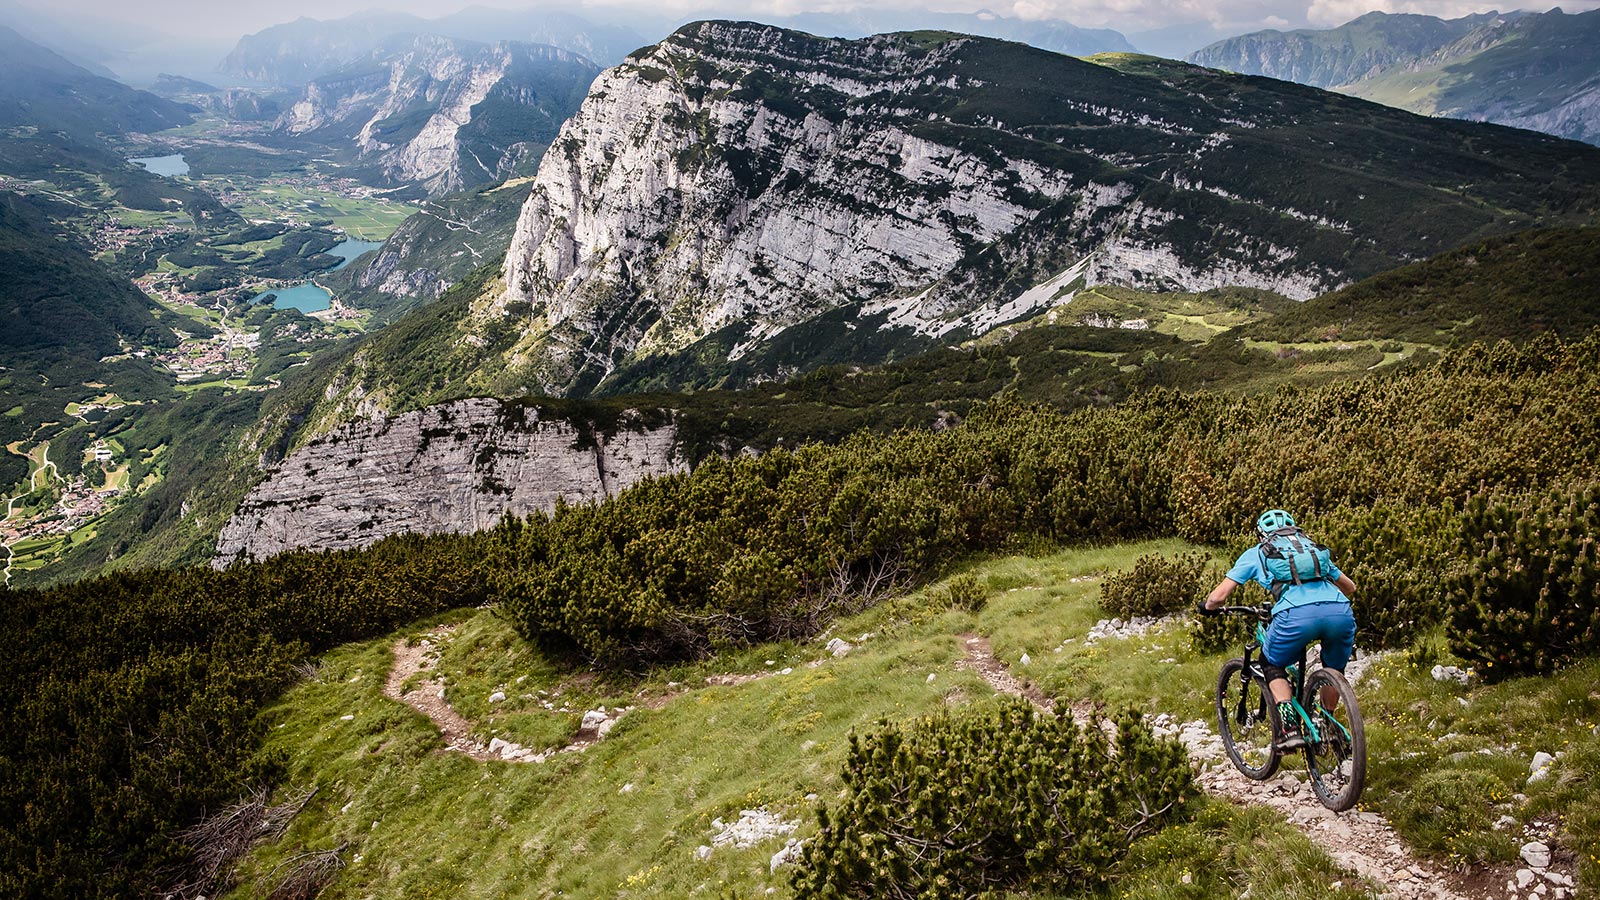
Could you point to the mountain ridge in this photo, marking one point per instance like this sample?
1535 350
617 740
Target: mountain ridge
441 115
1523 69
923 178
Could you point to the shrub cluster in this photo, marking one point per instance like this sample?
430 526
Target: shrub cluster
1002 798
128 703
774 546
1157 585
1526 597
751 549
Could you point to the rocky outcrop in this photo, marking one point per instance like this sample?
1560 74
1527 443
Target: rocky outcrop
443 114
455 467
442 242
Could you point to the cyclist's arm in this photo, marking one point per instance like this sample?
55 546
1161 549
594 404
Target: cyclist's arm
1345 585
1219 594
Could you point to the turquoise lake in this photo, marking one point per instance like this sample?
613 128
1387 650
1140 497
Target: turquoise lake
350 249
307 297
167 166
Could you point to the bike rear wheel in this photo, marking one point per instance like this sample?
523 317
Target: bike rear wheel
1338 760
1245 721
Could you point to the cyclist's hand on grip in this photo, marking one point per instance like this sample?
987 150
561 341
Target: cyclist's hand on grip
1205 610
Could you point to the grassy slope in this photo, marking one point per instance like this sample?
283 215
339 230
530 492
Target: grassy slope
429 824
1520 284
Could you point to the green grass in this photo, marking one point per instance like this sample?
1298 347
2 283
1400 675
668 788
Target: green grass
422 823
1454 759
370 219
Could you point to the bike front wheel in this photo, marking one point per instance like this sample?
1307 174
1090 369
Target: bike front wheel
1338 757
1245 721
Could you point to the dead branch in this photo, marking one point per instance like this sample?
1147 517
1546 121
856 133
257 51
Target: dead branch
306 874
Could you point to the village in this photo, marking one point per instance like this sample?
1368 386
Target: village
31 537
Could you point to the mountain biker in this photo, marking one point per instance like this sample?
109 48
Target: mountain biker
1310 610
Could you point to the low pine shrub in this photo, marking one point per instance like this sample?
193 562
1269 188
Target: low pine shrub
1527 598
1004 798
965 592
1157 585
1401 557
1216 634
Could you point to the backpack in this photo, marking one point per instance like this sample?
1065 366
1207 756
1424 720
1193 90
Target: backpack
1291 557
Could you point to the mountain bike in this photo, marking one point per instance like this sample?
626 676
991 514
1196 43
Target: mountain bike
1247 720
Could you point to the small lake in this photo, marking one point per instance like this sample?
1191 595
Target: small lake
351 248
167 166
305 296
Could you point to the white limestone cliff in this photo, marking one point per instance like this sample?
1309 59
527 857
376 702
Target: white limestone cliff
441 81
455 467
673 205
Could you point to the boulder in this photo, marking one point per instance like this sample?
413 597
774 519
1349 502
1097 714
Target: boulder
1540 767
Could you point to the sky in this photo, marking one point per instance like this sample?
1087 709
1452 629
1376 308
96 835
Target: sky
211 19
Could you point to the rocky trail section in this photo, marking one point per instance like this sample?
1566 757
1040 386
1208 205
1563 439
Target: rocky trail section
428 698
1360 841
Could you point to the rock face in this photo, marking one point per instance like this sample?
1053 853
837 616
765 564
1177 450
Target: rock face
443 114
739 180
443 241
455 467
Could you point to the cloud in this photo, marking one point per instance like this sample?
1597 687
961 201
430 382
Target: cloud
1125 15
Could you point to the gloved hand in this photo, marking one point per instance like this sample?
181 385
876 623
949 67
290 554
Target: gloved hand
1204 610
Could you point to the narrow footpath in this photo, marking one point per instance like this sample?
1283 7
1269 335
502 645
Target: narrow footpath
427 696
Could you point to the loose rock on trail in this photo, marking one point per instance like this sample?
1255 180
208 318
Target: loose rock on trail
428 698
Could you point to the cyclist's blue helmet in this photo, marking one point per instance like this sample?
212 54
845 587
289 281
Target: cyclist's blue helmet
1272 520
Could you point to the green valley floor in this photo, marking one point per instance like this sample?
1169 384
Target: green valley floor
697 781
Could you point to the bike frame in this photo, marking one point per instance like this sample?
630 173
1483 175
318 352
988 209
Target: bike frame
1297 682
1296 672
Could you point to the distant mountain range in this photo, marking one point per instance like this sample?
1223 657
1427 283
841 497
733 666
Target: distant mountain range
56 119
1530 70
301 51
40 88
1046 34
443 114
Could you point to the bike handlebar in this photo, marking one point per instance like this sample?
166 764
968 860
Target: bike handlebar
1261 613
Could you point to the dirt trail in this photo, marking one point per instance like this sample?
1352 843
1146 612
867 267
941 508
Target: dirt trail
1362 842
428 696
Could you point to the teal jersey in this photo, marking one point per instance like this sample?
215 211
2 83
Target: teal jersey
1249 568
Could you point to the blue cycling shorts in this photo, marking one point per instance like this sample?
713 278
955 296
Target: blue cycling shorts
1295 628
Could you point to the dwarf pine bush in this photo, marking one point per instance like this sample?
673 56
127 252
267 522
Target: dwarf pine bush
1005 797
1528 597
1156 585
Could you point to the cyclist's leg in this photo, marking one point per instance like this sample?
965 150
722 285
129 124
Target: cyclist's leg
1338 627
1285 643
